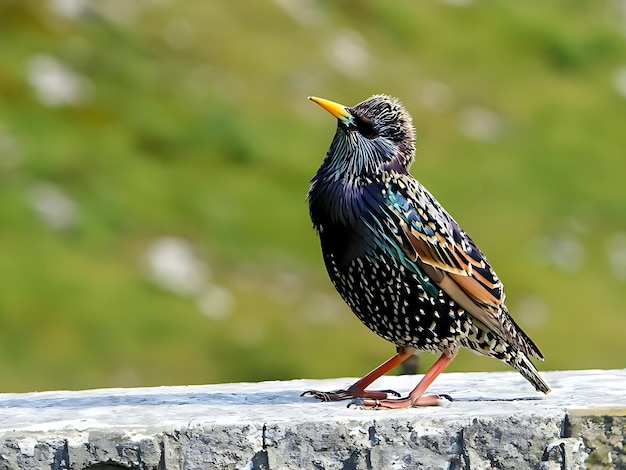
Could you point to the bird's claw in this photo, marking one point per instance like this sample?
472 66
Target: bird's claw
339 395
325 396
397 403
356 402
365 404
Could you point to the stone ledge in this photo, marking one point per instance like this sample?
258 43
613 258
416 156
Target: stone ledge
495 421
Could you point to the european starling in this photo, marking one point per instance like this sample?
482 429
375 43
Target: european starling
404 266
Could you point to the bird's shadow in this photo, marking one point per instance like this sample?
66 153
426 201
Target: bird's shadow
251 398
489 399
217 399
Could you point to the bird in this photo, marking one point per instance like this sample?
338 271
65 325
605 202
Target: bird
399 260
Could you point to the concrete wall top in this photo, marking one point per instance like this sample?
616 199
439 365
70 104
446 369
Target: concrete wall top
496 420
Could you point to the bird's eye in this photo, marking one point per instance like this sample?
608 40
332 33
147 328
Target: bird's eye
366 127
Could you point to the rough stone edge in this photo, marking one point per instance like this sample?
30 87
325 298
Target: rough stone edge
533 441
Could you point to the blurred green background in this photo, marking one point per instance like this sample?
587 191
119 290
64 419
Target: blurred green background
155 156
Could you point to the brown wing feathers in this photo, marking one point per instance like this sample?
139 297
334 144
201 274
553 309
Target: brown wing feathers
459 275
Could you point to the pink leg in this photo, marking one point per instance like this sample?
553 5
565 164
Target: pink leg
416 397
357 390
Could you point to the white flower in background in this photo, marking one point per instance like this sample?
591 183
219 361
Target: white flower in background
54 83
10 155
533 310
323 308
71 9
480 123
457 3
216 302
347 53
120 11
619 81
563 251
179 33
436 96
305 12
173 264
616 252
53 205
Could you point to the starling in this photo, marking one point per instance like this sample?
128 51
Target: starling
402 264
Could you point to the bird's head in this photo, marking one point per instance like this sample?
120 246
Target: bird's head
374 135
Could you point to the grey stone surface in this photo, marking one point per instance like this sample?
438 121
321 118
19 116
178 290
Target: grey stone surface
495 421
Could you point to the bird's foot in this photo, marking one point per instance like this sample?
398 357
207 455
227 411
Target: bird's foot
348 394
396 403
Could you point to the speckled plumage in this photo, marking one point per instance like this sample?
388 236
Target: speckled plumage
397 258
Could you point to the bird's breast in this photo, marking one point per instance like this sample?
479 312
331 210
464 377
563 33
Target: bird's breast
336 204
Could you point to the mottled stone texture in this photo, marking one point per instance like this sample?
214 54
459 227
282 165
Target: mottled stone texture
495 421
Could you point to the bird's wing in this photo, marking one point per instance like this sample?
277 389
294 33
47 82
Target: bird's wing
429 236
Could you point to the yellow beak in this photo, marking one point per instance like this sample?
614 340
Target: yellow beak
338 110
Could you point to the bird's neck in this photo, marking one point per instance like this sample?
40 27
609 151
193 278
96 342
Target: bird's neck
335 195
334 199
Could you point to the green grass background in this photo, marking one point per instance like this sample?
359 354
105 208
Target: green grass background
195 124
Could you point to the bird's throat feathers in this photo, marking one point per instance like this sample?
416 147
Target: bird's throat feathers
337 187
334 202
351 154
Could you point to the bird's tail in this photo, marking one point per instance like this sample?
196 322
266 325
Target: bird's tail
517 336
522 364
